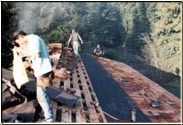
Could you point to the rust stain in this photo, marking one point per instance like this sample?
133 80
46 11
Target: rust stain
142 90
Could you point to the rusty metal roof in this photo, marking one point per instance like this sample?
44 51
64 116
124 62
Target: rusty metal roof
143 91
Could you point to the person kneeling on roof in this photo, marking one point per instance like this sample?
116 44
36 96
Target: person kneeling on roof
98 51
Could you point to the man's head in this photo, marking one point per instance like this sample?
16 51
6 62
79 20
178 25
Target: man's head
98 45
73 30
19 38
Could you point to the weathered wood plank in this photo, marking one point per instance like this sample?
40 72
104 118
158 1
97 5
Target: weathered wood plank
66 114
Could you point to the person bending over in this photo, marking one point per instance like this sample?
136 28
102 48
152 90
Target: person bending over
35 47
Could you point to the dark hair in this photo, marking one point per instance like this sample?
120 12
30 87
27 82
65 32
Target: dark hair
15 37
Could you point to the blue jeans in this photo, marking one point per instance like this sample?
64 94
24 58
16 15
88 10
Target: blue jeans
44 101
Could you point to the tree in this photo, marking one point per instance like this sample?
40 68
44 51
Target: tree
140 25
151 53
9 24
165 21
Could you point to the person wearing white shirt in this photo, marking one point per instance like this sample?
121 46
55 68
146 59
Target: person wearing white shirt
35 47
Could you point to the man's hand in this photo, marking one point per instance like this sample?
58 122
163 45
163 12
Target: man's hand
27 64
17 50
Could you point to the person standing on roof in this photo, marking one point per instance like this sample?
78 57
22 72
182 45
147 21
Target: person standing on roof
74 40
35 47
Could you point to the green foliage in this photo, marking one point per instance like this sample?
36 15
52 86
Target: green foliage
111 54
8 25
165 24
135 22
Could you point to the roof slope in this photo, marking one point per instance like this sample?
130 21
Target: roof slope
142 90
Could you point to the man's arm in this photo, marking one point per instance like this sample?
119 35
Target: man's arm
26 52
69 40
36 55
29 55
80 39
28 61
94 51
